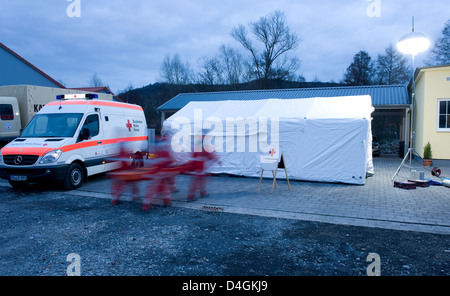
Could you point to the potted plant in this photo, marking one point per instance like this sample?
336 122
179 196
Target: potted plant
427 155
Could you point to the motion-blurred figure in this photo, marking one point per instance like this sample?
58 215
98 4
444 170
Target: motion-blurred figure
164 177
120 177
199 163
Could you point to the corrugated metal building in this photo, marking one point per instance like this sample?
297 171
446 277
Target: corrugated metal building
382 95
391 102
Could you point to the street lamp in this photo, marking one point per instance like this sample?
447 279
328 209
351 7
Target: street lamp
412 44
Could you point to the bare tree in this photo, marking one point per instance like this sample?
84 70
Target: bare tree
392 68
125 94
174 71
212 72
275 40
440 54
96 81
233 64
225 68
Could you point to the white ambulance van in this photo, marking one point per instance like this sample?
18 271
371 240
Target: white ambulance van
72 138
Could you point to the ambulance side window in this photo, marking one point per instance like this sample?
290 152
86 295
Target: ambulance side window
92 124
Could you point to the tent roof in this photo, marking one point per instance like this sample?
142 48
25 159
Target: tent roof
328 107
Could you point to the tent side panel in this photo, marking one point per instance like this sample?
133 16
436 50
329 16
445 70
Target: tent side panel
332 151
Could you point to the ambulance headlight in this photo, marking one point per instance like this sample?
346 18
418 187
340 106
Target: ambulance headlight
52 156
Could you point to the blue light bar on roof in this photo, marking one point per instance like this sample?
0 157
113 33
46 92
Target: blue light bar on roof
91 96
77 96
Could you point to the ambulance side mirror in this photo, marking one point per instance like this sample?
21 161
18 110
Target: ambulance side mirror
85 134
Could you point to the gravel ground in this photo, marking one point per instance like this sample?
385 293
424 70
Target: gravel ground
42 226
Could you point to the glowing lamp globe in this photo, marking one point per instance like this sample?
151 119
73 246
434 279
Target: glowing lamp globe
413 43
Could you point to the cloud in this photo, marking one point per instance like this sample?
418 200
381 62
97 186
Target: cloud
124 42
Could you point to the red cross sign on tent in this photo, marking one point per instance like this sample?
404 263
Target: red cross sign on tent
273 160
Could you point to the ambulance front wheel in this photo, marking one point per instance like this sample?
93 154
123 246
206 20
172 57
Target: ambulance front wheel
74 177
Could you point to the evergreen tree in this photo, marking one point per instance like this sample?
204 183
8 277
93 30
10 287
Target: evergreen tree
440 54
360 71
392 68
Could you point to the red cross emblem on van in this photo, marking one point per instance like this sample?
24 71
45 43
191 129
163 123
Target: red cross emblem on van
129 125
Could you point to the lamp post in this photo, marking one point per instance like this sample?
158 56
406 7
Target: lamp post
412 44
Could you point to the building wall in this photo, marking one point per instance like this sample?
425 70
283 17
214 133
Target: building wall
431 85
13 71
419 114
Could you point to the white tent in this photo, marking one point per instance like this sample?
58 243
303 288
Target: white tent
322 139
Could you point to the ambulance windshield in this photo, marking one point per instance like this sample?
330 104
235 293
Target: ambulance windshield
52 125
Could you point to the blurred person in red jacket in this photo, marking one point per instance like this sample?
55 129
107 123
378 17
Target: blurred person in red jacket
164 178
200 161
119 183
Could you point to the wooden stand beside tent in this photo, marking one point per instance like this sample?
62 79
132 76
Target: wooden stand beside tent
274 167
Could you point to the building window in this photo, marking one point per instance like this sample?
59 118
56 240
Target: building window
443 124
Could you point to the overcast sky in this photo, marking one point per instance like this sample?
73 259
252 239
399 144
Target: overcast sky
125 42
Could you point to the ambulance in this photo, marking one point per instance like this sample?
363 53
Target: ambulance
72 138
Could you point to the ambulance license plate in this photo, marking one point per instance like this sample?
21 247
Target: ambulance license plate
18 178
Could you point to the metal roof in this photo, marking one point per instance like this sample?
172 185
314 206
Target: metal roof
382 95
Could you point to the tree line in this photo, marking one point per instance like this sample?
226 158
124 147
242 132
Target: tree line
266 61
268 44
392 67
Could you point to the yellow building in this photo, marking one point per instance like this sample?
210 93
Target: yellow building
432 111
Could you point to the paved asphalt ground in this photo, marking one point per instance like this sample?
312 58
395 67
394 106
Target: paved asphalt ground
313 229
